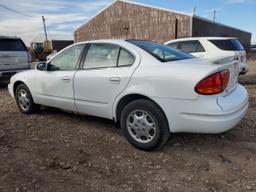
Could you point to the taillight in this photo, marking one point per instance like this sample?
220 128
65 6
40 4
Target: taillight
213 84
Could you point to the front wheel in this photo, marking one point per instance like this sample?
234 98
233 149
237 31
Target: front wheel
144 124
24 100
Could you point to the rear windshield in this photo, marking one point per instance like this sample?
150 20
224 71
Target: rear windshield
161 52
228 44
12 45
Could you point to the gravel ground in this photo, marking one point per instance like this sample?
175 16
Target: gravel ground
59 151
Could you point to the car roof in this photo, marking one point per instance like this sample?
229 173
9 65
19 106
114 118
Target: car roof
102 41
9 37
201 38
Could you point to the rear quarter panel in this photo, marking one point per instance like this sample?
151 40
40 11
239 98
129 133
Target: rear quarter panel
175 79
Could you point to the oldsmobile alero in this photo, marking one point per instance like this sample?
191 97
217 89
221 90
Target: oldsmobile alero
151 89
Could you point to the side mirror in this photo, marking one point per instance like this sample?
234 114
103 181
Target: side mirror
42 66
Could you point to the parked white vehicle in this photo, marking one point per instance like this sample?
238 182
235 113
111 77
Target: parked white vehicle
151 89
212 47
13 56
51 55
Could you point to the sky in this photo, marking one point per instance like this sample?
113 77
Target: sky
64 16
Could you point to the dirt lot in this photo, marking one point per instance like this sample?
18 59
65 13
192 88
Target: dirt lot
59 151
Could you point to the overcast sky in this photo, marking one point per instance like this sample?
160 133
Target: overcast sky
64 16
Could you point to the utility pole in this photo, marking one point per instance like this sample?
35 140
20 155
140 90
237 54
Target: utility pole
45 32
214 15
194 12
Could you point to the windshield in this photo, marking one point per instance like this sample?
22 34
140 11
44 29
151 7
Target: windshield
161 52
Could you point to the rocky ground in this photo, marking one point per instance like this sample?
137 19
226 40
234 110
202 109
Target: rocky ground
59 151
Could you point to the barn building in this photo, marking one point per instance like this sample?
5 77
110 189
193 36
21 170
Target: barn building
130 20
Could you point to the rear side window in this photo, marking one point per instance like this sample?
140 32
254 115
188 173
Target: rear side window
191 47
173 45
228 44
101 55
125 58
237 44
12 45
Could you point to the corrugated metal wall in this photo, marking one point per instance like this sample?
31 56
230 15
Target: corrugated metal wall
204 28
60 44
130 21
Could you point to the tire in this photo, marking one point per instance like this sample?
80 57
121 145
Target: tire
25 101
144 125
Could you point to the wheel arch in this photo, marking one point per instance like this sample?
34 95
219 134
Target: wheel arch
132 97
19 82
16 84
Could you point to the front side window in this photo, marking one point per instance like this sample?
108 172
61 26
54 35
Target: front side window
161 52
101 55
67 60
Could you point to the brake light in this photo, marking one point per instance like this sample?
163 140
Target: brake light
213 84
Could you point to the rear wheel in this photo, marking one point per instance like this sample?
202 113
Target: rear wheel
144 125
24 100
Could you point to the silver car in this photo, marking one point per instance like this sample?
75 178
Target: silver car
14 56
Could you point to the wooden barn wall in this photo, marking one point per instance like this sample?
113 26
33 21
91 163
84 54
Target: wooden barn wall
202 28
129 21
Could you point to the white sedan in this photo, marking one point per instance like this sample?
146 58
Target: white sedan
151 89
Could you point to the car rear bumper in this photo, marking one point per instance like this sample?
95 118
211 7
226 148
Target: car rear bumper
206 115
244 68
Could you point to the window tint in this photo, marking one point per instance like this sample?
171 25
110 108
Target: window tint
200 47
173 45
101 55
66 60
125 58
237 44
228 44
161 52
12 45
191 46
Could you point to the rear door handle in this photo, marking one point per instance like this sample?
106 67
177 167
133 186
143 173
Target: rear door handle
66 79
115 80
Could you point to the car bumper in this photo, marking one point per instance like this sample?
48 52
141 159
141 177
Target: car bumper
9 73
10 89
206 115
244 68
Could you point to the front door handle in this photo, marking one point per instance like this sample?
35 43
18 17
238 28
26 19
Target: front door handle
66 79
115 80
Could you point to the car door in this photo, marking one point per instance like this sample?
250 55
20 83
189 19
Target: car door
54 86
193 47
106 71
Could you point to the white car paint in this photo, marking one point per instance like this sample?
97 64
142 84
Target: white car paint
169 84
212 51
